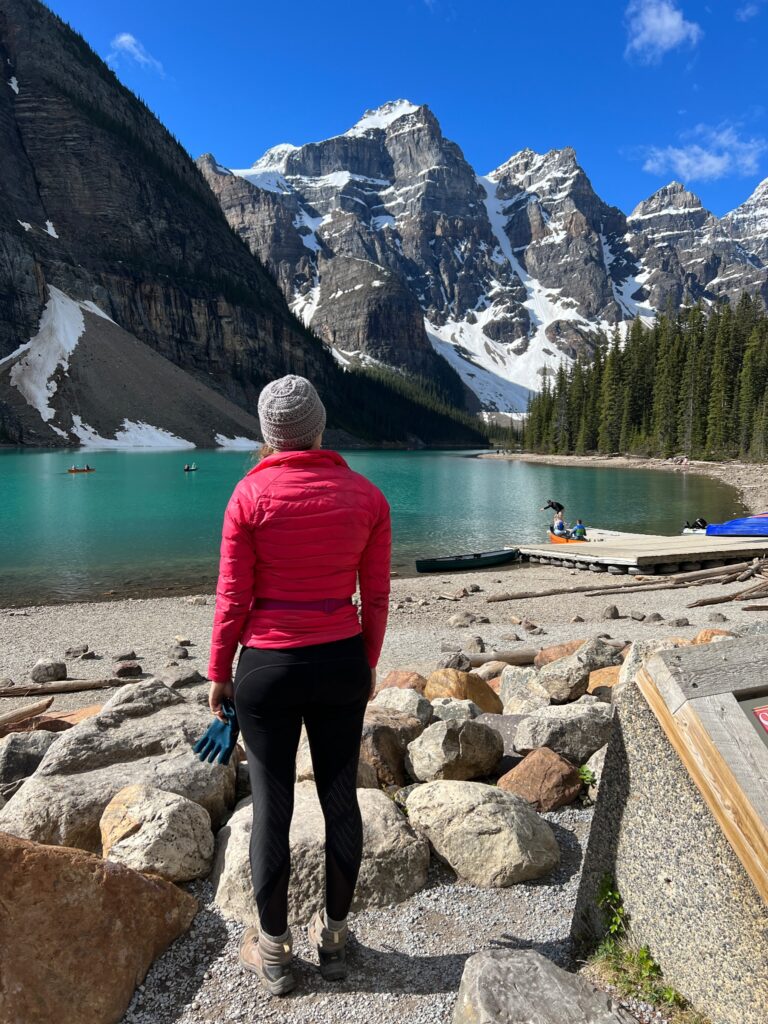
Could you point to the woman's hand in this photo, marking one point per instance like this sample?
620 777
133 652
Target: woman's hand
218 693
372 691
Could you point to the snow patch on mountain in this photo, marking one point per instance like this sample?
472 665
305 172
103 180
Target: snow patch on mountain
236 443
50 229
14 84
37 361
130 435
382 117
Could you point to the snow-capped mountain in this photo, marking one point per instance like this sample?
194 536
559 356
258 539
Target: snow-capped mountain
393 249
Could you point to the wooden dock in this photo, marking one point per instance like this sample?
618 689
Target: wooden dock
646 554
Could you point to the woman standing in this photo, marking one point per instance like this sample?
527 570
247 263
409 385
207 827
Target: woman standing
301 530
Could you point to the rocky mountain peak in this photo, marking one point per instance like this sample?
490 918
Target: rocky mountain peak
670 199
383 117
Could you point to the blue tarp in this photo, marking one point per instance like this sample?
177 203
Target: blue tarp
750 526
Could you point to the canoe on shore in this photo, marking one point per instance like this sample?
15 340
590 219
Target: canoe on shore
479 560
556 538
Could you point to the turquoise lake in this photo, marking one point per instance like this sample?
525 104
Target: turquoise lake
140 525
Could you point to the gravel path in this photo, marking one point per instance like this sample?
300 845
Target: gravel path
405 963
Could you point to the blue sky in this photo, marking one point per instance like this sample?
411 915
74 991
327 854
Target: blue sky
644 90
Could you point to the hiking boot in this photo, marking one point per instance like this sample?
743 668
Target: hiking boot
331 948
270 960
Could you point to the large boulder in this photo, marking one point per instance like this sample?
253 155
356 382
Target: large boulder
405 700
543 779
305 770
20 755
520 986
450 682
574 731
144 734
488 837
506 726
567 678
386 735
454 749
78 934
403 679
395 859
165 834
520 690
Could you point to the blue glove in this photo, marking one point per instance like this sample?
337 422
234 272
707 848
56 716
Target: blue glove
218 741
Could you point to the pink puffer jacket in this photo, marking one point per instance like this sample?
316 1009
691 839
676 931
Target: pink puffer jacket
301 526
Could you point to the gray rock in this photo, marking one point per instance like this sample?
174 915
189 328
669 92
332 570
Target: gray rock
462 619
520 986
577 618
506 726
6 681
151 830
76 651
595 764
575 731
48 670
717 617
198 599
611 612
386 735
447 647
681 621
454 750
88 656
126 655
567 678
637 616
178 653
520 690
654 617
305 771
395 859
409 702
144 734
448 709
127 669
475 645
487 836
20 755
458 661
179 676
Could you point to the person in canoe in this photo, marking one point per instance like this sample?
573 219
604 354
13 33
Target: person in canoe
579 531
558 526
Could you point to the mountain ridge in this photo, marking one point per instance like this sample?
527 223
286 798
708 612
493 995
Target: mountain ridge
511 272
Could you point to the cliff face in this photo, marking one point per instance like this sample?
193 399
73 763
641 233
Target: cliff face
105 219
510 273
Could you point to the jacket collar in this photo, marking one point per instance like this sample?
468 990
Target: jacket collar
306 457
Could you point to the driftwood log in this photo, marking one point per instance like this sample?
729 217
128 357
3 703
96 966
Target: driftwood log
63 686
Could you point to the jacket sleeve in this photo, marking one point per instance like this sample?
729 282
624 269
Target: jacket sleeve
234 592
373 573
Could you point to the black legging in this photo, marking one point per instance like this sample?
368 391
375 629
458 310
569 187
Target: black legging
327 686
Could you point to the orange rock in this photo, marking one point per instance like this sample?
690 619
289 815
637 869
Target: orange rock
549 654
403 679
495 684
450 682
543 778
73 717
601 677
79 933
705 636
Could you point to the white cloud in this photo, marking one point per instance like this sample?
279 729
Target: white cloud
654 27
708 153
127 45
748 11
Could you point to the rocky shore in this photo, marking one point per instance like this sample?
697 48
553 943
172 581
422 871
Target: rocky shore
446 750
750 479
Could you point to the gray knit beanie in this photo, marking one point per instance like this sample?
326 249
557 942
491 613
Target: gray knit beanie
291 413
